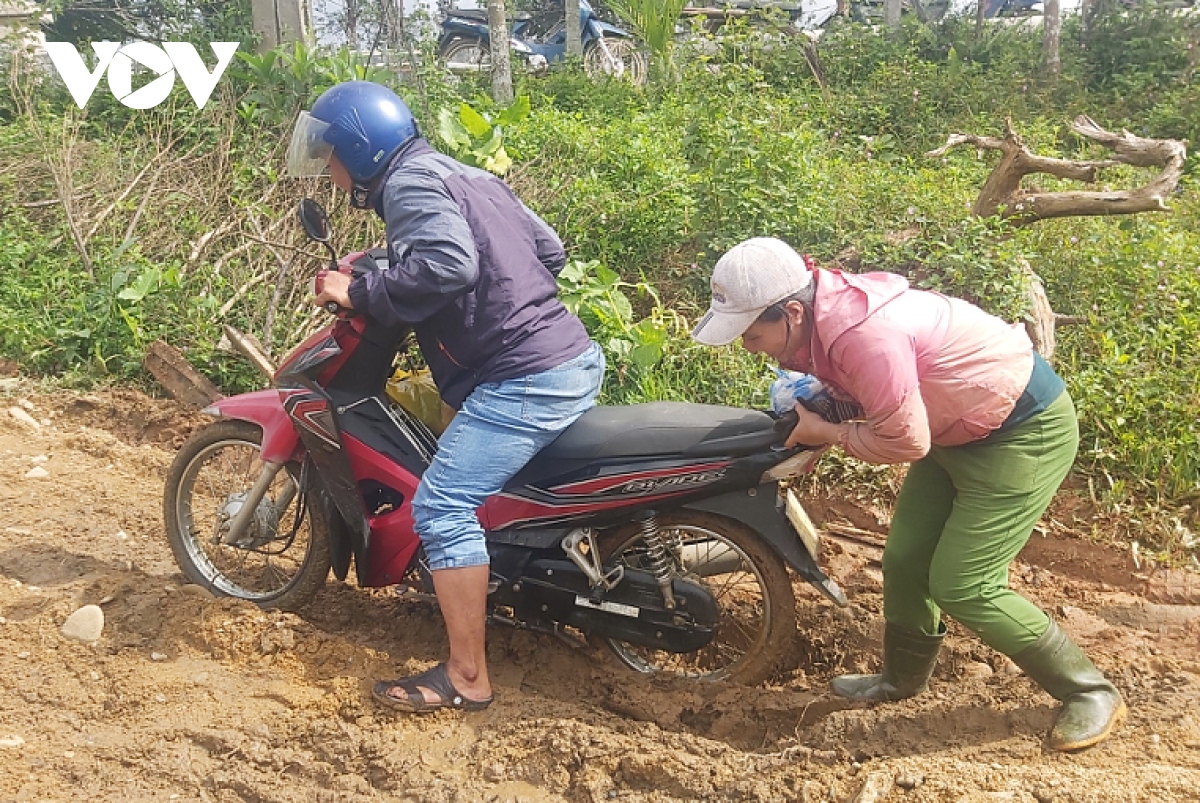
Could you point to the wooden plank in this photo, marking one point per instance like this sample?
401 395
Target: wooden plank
183 382
248 346
849 533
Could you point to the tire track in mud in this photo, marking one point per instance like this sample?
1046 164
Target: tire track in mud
212 699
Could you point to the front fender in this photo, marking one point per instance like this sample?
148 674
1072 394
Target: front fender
600 28
759 509
264 408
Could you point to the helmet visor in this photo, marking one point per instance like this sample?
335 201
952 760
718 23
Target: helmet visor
308 153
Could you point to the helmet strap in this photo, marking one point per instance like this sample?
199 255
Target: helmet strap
360 196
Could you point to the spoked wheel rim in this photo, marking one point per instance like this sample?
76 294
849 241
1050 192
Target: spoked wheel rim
632 67
467 57
742 594
270 560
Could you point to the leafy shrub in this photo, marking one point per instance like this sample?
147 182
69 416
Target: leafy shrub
617 190
276 85
1140 50
478 139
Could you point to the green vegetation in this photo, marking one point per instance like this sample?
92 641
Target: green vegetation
186 223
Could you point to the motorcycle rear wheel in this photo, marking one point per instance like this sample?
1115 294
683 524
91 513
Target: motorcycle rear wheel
757 626
272 567
634 66
463 56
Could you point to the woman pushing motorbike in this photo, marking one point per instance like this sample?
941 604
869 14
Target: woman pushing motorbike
472 270
989 429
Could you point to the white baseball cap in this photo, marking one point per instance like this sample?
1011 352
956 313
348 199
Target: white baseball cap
750 277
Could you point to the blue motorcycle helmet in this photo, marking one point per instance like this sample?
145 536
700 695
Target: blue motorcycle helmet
362 123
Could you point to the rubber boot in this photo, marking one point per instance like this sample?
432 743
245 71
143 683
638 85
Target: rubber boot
908 661
1092 706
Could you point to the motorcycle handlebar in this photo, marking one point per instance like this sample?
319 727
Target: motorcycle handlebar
786 423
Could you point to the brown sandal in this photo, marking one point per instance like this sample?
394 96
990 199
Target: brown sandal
437 680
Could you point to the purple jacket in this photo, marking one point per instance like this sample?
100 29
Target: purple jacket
472 271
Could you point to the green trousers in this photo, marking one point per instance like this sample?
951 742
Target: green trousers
963 514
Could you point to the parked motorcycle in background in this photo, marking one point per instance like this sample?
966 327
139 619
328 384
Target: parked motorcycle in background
465 44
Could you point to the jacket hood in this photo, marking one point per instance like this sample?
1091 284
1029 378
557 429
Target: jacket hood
844 300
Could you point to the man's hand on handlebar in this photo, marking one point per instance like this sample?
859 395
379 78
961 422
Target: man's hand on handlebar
332 287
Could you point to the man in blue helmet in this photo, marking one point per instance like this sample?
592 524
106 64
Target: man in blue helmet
473 272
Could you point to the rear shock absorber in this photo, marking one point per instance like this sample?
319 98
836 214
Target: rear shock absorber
657 558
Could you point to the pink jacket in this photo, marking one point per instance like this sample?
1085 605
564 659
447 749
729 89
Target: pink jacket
927 368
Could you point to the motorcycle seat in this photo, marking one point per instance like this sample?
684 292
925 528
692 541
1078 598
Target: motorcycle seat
663 428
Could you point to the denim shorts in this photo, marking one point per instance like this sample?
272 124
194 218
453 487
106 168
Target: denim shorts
499 429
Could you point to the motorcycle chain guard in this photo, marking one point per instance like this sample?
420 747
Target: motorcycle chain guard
632 611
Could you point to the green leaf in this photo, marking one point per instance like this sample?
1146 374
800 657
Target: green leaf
475 122
493 144
143 286
452 132
645 355
607 277
619 347
649 332
125 246
575 271
515 113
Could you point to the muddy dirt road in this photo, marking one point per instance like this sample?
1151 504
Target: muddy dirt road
186 697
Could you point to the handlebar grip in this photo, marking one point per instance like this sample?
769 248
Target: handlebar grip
786 423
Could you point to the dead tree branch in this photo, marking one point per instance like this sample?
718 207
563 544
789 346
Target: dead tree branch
1003 195
284 266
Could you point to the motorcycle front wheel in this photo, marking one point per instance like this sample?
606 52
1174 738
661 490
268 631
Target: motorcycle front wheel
623 60
278 562
748 580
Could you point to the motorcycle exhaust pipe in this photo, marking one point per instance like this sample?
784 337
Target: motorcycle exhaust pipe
710 558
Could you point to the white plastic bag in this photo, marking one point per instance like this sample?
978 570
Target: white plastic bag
793 386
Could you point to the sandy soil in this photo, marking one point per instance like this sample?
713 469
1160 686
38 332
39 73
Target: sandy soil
186 697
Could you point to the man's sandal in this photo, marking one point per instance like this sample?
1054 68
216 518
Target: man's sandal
437 680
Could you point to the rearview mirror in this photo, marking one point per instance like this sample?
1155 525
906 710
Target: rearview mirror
314 220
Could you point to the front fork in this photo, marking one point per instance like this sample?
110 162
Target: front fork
615 64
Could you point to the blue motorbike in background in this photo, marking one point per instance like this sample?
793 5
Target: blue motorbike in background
465 45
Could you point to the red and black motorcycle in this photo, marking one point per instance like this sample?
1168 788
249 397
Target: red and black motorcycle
657 528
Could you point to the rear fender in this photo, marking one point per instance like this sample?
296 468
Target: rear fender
264 408
759 509
454 27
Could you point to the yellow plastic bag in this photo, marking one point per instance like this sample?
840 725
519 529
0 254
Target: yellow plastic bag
416 392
